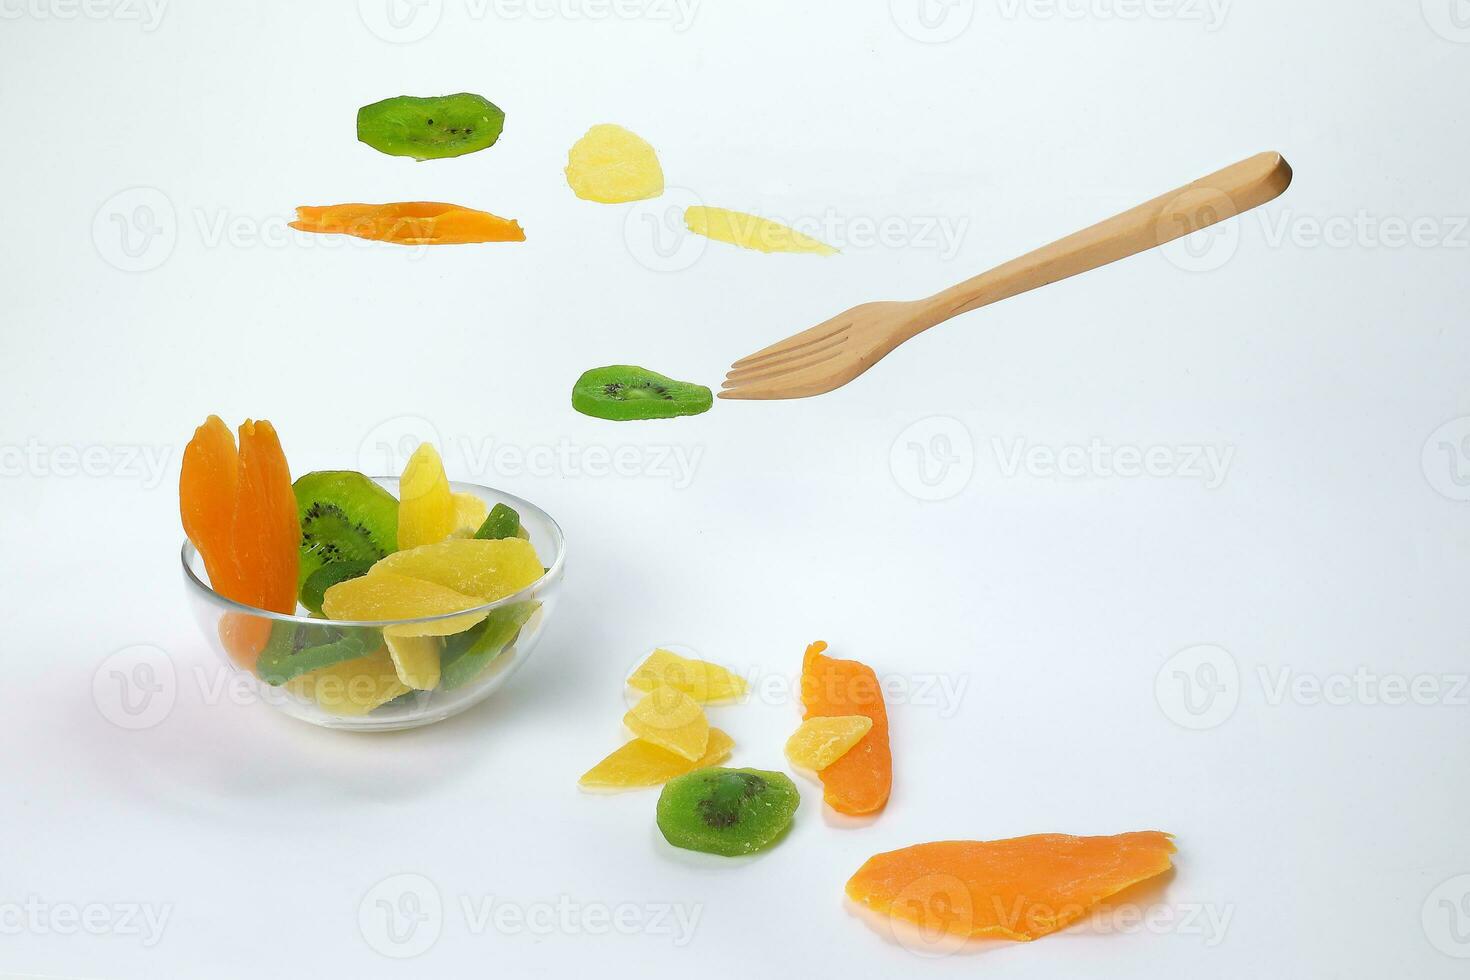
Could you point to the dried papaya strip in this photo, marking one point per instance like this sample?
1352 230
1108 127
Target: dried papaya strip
208 484
409 223
859 782
1022 888
267 528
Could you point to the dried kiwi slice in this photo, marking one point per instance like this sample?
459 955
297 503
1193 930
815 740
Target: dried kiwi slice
344 517
727 811
622 392
295 649
501 523
314 589
467 654
430 128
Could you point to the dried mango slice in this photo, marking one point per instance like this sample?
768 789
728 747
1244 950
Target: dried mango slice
702 681
409 223
266 530
819 742
859 782
426 512
244 636
353 687
488 570
384 596
752 231
416 659
611 165
469 513
639 764
208 485
1023 888
671 720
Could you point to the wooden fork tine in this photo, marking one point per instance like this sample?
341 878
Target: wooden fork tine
813 335
787 365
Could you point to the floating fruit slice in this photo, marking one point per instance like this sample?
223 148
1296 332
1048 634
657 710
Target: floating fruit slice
344 517
426 504
416 658
296 649
466 655
501 522
383 596
727 811
430 128
702 681
208 485
752 232
267 533
409 223
860 781
489 570
639 764
819 742
470 512
611 165
671 720
353 687
622 392
1022 888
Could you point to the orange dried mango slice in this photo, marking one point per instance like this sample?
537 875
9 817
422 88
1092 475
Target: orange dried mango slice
267 527
409 223
859 782
639 764
208 485
671 720
1022 888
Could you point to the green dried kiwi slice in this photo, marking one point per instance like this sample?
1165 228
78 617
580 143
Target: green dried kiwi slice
727 811
344 517
430 128
314 589
502 522
467 654
295 649
623 392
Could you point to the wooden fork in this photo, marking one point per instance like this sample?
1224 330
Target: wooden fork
831 354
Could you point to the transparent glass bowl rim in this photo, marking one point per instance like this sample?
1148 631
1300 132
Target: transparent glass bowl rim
559 541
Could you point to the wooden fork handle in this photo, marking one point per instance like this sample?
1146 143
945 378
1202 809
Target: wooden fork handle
1221 195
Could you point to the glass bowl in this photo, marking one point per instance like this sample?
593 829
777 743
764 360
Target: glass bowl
362 692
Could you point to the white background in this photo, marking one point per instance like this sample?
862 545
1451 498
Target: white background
1327 829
